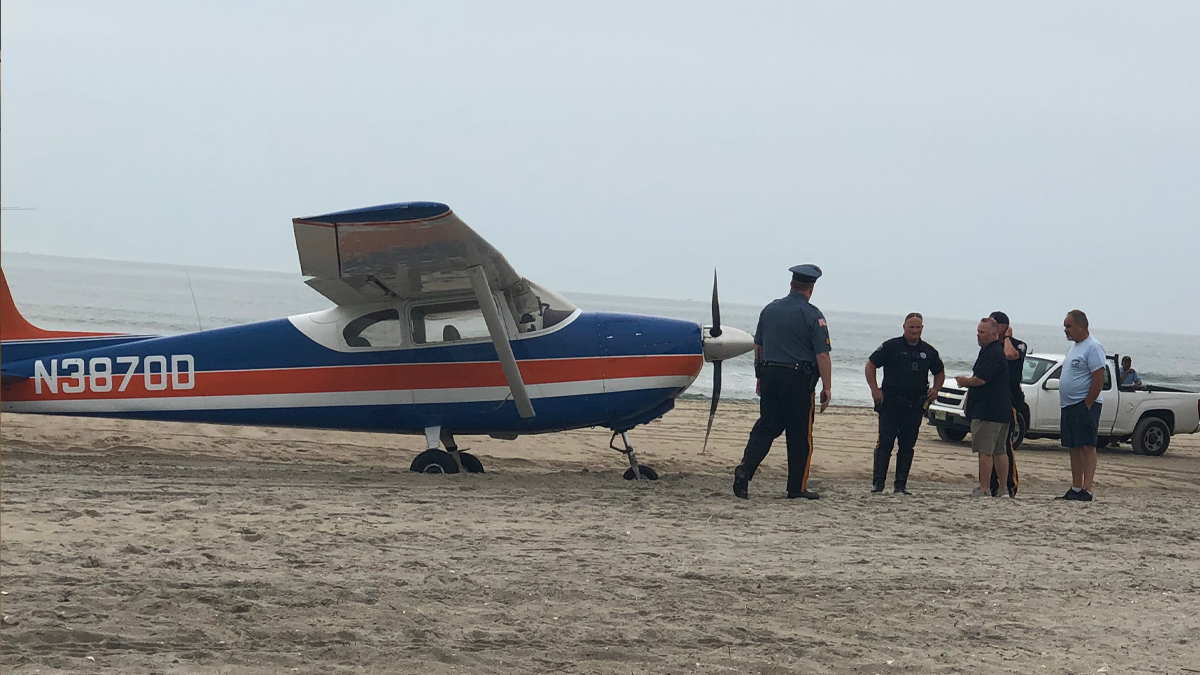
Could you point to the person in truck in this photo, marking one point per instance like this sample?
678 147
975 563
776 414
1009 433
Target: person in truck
1079 397
1129 377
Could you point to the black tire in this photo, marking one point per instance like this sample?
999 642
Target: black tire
471 463
434 461
1151 436
951 435
1019 435
648 473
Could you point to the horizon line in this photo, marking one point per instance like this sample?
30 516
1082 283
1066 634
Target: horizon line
640 297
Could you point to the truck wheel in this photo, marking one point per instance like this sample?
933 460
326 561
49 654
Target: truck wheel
1151 436
1019 432
951 435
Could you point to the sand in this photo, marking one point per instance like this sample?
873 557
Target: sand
133 547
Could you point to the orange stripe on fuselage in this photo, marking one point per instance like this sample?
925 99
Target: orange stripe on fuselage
372 378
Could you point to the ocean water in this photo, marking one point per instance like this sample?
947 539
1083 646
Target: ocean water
103 295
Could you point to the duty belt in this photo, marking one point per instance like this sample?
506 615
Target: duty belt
806 365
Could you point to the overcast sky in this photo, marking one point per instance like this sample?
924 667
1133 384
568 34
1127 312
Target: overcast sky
951 157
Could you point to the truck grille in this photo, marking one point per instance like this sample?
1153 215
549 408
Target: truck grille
951 397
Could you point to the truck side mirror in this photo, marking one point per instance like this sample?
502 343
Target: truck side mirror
1051 385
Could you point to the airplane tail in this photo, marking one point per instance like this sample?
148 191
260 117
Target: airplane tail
22 339
13 326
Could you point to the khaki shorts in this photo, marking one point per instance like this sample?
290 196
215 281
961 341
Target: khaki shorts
989 438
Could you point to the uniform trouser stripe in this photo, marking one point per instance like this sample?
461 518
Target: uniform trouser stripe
785 394
812 415
1012 456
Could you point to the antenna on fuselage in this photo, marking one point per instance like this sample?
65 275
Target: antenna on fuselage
195 305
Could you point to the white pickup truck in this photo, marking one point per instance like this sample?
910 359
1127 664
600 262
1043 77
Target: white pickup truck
1146 417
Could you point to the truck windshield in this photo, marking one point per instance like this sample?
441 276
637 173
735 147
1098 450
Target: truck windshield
1035 368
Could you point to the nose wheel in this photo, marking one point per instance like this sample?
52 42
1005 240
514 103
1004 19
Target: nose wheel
635 471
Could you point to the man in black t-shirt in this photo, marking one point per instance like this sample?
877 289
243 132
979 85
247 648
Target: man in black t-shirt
1014 352
989 405
907 362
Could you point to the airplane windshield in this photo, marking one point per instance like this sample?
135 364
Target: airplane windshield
537 308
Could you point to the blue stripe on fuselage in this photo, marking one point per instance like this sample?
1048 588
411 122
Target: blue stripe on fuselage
19 350
481 417
279 344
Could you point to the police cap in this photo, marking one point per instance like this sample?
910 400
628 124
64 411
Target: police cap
805 274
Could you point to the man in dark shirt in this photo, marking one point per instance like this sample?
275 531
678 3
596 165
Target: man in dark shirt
907 362
989 405
1014 352
791 352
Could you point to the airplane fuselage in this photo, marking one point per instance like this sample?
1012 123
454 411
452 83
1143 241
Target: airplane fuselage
593 369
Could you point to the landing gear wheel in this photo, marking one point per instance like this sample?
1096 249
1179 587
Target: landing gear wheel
434 461
647 472
1151 436
470 463
951 435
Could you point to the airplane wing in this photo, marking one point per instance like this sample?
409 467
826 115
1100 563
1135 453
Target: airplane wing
406 251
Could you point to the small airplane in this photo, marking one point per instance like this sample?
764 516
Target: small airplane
433 333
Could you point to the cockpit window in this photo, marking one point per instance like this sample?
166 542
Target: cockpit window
448 322
536 308
377 329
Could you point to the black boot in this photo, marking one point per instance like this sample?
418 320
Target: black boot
741 484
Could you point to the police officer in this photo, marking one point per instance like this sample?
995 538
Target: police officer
791 350
1014 351
907 362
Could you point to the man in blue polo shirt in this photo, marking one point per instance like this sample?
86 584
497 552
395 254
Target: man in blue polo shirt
1079 397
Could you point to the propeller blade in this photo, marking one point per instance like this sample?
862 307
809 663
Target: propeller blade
716 309
712 412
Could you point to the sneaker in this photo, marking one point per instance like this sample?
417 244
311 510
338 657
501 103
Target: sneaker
876 489
901 491
1083 496
741 484
980 493
807 494
1071 496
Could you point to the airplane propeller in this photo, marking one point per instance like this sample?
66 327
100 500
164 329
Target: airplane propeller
720 343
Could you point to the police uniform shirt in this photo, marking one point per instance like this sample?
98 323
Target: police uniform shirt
906 368
1016 369
792 330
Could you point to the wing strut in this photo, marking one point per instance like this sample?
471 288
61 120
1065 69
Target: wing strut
487 304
